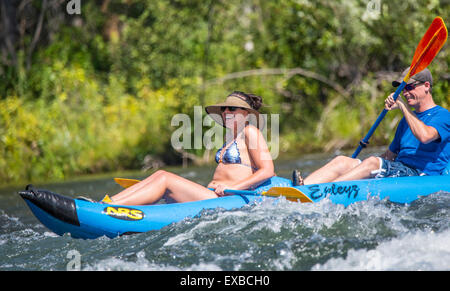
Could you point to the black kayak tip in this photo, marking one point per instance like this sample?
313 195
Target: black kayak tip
29 192
58 206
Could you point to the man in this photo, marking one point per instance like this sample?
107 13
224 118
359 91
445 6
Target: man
420 146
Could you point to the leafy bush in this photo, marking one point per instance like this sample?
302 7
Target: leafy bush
99 95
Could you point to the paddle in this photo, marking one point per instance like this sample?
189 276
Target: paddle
292 194
427 49
125 183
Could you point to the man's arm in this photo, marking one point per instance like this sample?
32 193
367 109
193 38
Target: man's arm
424 133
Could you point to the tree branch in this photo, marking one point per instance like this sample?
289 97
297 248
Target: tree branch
277 71
8 33
37 33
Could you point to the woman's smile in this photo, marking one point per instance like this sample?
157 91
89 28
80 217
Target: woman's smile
233 118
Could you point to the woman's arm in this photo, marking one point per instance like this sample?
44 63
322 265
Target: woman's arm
260 155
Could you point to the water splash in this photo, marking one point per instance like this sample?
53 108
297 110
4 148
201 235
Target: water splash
371 235
422 251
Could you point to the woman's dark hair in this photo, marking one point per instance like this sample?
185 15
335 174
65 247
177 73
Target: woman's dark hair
253 100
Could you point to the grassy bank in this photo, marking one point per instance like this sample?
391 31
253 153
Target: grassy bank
96 92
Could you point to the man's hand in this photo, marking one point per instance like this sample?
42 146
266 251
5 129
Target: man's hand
390 103
424 133
388 155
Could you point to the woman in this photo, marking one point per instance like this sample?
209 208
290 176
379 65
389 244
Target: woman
243 161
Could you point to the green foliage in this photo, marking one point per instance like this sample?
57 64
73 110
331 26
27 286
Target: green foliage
101 94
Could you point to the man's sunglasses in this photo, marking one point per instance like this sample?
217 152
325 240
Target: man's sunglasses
230 108
413 86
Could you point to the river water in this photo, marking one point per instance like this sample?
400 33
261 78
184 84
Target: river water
371 235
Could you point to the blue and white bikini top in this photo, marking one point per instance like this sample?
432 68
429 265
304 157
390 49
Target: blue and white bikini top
231 155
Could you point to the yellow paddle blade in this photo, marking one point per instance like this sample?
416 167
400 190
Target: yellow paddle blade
125 183
291 193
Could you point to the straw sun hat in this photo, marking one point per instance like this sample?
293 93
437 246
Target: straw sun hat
235 99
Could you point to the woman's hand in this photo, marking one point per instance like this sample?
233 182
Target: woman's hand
220 188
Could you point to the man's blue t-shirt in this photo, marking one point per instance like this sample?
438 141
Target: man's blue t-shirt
431 158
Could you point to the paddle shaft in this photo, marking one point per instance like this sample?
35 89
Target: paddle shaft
365 140
291 193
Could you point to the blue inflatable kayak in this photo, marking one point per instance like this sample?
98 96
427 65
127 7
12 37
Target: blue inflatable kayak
83 219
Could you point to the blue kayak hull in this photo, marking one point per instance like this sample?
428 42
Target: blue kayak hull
83 219
96 219
399 190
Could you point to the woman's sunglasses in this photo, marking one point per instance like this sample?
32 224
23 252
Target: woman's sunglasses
230 108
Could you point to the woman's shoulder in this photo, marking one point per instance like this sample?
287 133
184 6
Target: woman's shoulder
251 130
254 137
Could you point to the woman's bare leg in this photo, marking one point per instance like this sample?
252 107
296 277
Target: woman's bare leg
162 183
332 170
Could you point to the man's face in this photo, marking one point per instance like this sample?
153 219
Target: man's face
416 92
